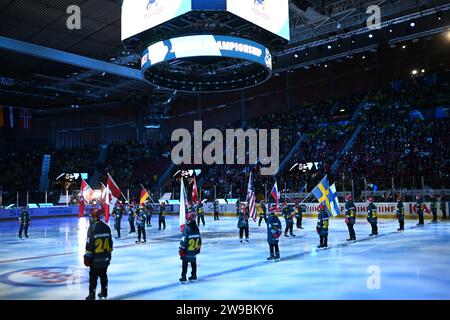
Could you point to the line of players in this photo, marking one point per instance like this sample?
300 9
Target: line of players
99 244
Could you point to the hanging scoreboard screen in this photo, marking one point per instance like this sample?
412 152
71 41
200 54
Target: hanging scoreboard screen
141 15
272 15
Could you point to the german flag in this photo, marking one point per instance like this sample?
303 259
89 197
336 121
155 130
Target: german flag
144 196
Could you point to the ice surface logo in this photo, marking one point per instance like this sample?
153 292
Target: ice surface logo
152 3
260 3
45 277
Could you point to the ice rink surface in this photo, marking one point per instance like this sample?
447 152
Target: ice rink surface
414 264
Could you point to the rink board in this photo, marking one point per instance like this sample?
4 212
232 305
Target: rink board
385 210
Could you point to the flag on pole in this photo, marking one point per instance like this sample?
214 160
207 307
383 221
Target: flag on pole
105 199
326 196
194 192
274 193
144 196
251 198
182 217
113 194
335 207
87 195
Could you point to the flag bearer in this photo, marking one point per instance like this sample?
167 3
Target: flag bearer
216 210
400 213
140 222
243 224
118 214
262 211
420 208
190 246
162 216
350 216
298 210
200 213
24 220
322 226
287 214
372 216
274 232
131 217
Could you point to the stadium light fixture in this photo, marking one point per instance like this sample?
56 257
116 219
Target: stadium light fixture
412 24
414 72
403 46
329 47
370 35
295 56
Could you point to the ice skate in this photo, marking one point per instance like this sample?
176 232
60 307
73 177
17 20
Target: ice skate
91 296
183 280
103 294
193 279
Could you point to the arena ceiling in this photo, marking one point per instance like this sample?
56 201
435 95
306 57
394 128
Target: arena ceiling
45 84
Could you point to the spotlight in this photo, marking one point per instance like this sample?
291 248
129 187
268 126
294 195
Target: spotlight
403 46
370 35
439 15
423 70
412 24
329 47
295 56
390 30
326 66
414 72
364 57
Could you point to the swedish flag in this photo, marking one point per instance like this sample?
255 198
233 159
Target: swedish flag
327 196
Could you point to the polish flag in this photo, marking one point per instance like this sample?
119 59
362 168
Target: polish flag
194 192
274 193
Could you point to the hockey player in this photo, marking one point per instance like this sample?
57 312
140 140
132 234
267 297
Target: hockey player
262 211
162 216
200 213
243 224
433 208
420 208
287 214
99 246
322 226
238 208
274 232
400 213
117 214
350 216
131 217
216 210
190 246
24 220
443 207
149 215
372 216
298 211
141 219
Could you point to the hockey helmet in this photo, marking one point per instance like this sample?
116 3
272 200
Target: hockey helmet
348 197
96 214
321 207
190 216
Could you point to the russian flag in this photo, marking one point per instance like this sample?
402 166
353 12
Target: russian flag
274 193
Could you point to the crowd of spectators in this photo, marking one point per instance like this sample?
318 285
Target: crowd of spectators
394 142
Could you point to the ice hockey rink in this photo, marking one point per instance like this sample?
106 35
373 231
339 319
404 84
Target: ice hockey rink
395 265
